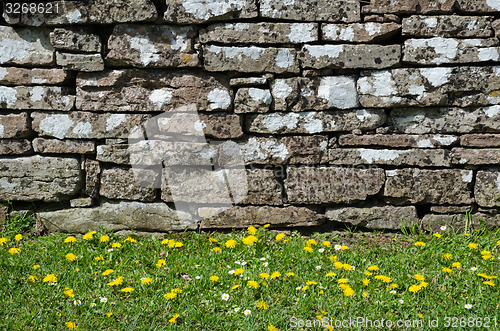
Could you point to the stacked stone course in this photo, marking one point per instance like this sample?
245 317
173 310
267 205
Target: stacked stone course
349 111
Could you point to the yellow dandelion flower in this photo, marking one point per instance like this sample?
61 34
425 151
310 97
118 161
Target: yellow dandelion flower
89 235
414 288
69 292
447 256
487 257
423 284
231 243
36 266
384 279
238 271
70 257
338 265
107 272
3 241
349 292
216 249
489 282
14 251
498 243
116 245
212 240
372 268
367 273
32 278
419 243
330 274
343 247
174 319
178 244
50 278
104 238
448 270
264 275
262 305
308 249
305 288
170 296
176 290
311 242
365 294
18 237
275 274
161 263
456 265
347 266
326 243
272 328
214 278
98 258
70 239
419 277
130 239
343 281
393 286
109 314
437 235
70 325
311 282
365 281
127 289
333 258
146 280
253 284
290 274
234 287
252 230
267 225
472 246
280 236
116 282
249 240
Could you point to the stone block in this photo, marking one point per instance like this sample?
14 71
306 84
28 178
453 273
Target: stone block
409 7
252 100
424 186
14 126
399 140
248 81
152 46
75 39
242 217
196 12
92 174
128 184
81 202
470 156
80 62
56 146
13 147
260 33
250 59
350 56
487 188
33 76
36 177
480 140
311 185
395 157
447 26
316 122
159 90
263 188
36 97
315 10
374 218
29 47
478 6
359 32
216 125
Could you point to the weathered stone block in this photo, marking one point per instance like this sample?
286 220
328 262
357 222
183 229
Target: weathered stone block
242 217
39 178
350 56
471 156
284 150
13 147
248 81
128 184
374 218
478 6
25 46
250 59
457 222
92 174
317 10
252 100
36 97
409 6
315 122
408 157
75 39
85 125
35 76
152 46
82 12
359 32
195 11
56 146
440 50
14 126
418 186
312 185
118 216
430 87
447 26
260 33
159 90
80 62
487 188
316 93
443 120
263 188
480 140
81 202
216 125
399 140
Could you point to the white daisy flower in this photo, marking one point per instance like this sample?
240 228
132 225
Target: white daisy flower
247 312
338 247
298 288
110 250
237 262
401 301
393 292
237 309
197 277
443 228
225 297
321 250
468 306
265 264
231 272
262 259
77 302
318 267
473 268
92 304
243 263
104 300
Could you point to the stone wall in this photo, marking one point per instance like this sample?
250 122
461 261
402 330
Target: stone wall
358 112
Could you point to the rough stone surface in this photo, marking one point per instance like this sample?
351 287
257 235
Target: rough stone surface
139 90
444 120
374 218
457 222
260 33
248 81
263 188
56 146
36 177
447 26
252 100
36 97
316 93
408 157
284 150
152 46
399 140
128 184
487 188
471 156
359 32
216 125
195 11
451 209
13 147
85 125
480 140
419 186
25 46
479 6
14 126
34 76
81 202
81 12
316 10
316 122
250 59
332 184
123 215
409 6
430 87
80 62
92 177
350 56
242 217
75 39
438 50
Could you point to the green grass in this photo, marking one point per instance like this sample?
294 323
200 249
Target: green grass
289 301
